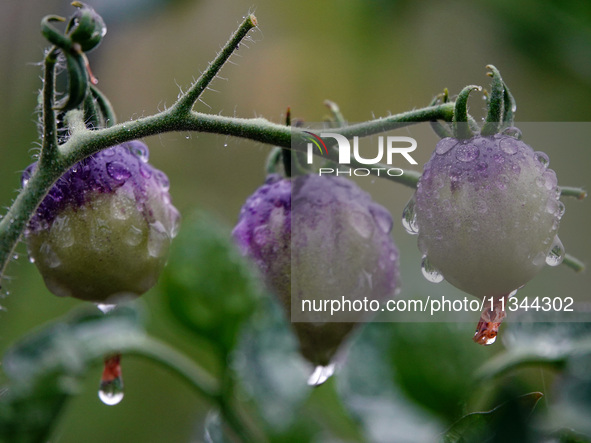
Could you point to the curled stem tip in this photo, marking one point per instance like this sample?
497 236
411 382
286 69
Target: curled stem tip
336 112
460 119
495 104
253 20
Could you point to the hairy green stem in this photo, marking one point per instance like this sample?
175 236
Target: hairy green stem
460 119
495 104
159 352
188 99
49 143
104 106
84 143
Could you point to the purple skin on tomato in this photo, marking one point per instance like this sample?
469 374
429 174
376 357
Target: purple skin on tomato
319 239
104 229
487 214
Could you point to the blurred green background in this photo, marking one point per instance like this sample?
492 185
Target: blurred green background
371 57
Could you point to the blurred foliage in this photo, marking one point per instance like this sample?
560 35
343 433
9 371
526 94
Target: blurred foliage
387 388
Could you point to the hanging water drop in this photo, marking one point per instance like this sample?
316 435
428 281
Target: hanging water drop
556 254
105 308
429 272
321 374
409 218
111 386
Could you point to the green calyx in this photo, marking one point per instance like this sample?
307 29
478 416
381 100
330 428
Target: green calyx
84 32
500 110
86 27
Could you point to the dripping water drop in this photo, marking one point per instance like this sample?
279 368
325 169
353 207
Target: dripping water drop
409 218
111 385
321 374
556 254
429 272
105 308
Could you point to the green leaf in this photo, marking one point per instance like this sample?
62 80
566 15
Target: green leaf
368 391
549 343
210 288
271 369
45 367
484 426
434 364
214 431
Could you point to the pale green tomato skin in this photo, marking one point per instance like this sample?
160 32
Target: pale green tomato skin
104 250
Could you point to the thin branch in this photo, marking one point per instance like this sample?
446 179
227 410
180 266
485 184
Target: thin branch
573 262
49 143
159 352
186 102
569 191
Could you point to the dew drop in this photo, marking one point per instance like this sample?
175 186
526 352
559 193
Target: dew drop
134 236
99 234
105 308
551 206
542 159
362 223
509 145
480 206
429 272
514 132
109 152
61 231
409 218
556 254
31 259
146 171
141 151
481 166
560 211
118 210
118 171
111 385
382 218
321 374
49 256
502 181
158 239
550 180
162 180
445 145
175 217
56 195
467 153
